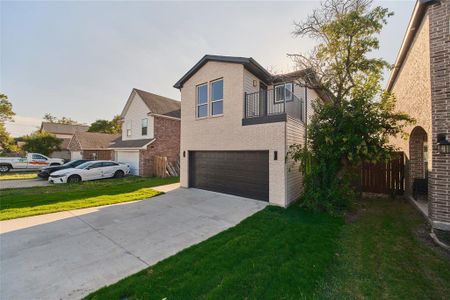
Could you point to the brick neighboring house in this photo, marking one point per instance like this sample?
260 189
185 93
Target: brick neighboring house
92 145
421 82
151 127
64 132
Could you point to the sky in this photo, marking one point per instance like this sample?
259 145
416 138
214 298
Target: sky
82 59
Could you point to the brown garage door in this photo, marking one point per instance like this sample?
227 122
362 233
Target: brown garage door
241 173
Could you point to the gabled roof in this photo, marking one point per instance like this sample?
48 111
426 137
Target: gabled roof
93 140
156 104
413 26
127 144
249 63
63 128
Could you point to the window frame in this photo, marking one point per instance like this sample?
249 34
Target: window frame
144 127
129 126
218 100
284 84
197 104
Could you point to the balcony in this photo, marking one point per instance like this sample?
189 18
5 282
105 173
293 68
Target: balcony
264 107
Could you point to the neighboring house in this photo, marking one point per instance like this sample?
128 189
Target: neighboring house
237 124
420 81
64 132
92 145
151 127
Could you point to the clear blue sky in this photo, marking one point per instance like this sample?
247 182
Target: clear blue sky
81 59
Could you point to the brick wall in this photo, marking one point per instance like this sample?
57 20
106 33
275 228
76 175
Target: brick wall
439 180
99 154
167 143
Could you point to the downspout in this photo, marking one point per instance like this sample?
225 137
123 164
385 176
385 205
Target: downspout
306 115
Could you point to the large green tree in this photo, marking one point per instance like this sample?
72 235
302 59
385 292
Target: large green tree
7 143
357 118
105 126
41 142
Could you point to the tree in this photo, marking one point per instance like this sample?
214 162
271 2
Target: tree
41 142
358 117
105 126
64 120
7 143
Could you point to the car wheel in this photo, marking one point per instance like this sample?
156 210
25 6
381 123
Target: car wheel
4 168
73 179
119 174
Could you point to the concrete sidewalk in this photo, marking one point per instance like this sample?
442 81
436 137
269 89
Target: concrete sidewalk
70 257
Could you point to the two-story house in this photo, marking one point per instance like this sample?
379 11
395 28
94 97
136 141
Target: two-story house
151 127
237 123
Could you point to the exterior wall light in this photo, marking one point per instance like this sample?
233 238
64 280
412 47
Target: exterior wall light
443 144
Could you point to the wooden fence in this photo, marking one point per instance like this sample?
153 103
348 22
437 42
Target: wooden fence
384 177
162 168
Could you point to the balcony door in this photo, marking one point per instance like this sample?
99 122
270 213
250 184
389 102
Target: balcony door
262 99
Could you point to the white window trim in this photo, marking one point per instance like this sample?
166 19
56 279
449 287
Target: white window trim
218 100
284 98
197 105
146 126
129 128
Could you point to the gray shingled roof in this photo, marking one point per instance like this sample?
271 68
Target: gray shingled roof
119 143
248 62
63 128
95 140
160 105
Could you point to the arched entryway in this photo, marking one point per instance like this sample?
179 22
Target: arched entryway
418 162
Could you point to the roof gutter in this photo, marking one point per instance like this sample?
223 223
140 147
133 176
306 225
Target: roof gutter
163 116
414 23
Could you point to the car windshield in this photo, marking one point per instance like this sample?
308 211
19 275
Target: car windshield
84 165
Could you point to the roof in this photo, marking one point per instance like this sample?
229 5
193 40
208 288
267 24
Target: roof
414 23
249 63
119 143
157 104
94 140
65 143
63 128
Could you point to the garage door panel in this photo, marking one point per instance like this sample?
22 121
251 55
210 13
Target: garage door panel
131 158
242 173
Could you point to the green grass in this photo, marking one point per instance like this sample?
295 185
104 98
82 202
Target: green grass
17 203
293 254
18 175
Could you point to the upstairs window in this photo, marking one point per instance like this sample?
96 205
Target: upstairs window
128 127
202 101
217 97
144 125
283 92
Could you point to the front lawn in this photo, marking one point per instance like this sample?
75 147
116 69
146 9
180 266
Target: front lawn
18 175
293 254
16 203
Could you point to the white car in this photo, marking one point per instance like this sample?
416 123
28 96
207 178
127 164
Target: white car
91 170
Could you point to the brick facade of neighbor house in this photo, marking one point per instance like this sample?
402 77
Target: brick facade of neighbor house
421 84
167 143
439 179
98 154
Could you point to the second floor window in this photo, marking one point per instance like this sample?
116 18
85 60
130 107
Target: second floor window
202 101
129 128
217 97
283 92
144 126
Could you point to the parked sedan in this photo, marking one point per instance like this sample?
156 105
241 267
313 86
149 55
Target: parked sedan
45 172
91 170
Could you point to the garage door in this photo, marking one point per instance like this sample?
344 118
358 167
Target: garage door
241 173
131 158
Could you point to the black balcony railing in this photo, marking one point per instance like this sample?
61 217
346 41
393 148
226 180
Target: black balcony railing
263 104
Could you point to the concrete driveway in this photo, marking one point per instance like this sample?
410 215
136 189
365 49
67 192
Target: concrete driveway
71 257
